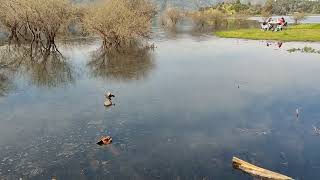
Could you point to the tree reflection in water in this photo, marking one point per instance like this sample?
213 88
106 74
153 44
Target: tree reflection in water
132 64
45 69
5 84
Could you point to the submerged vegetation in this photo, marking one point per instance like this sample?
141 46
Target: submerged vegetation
171 17
305 32
36 22
39 22
204 19
209 17
306 49
33 28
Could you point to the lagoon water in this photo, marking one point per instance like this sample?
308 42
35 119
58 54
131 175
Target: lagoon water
181 112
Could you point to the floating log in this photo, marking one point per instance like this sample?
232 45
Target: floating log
257 171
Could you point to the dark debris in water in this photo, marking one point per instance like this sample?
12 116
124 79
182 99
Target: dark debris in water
105 140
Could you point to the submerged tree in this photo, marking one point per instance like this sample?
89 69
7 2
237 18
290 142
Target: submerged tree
9 19
171 17
118 22
46 19
36 21
39 22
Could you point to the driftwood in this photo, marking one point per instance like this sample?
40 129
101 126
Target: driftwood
257 171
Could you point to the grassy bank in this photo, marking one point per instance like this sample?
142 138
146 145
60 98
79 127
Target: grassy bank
302 32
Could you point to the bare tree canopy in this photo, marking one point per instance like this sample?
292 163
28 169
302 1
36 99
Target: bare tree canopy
118 22
171 17
36 21
47 18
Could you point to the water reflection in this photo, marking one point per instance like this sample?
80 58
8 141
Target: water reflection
44 69
133 64
185 122
5 84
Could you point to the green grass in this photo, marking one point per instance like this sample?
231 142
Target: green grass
302 32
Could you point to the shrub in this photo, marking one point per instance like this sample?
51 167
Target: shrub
299 16
171 17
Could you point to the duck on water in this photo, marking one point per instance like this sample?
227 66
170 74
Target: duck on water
108 100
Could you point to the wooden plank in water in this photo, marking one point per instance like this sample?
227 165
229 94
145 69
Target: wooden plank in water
257 171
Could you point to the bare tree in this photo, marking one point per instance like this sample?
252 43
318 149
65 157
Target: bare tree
298 16
118 22
209 17
267 9
45 19
39 21
171 17
9 20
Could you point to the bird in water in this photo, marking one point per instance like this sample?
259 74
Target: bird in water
298 112
108 101
105 140
109 95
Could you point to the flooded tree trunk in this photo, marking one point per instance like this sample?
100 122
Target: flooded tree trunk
14 36
51 44
112 41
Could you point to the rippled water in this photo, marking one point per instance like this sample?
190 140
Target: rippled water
181 112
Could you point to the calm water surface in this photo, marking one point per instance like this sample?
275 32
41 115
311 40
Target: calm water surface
181 112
